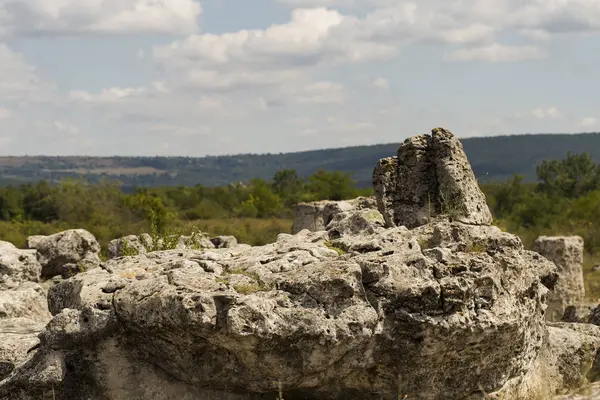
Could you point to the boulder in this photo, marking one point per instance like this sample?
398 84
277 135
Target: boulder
66 253
315 216
430 176
18 337
27 300
133 245
567 254
196 241
223 242
17 266
23 315
129 245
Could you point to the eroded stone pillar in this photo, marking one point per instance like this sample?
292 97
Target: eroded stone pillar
566 252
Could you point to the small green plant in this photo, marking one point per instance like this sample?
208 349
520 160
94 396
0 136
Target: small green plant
452 204
279 391
478 247
331 246
222 280
250 288
126 250
162 239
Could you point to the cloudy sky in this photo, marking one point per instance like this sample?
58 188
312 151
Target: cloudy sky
188 77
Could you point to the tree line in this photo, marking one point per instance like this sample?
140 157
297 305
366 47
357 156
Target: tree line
108 212
564 200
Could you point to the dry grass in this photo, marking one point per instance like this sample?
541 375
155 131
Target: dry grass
252 231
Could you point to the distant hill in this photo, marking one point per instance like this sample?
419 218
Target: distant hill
493 159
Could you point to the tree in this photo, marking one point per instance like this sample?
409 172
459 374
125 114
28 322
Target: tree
266 202
325 185
572 177
40 203
288 186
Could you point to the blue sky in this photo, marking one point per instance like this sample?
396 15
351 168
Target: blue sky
187 77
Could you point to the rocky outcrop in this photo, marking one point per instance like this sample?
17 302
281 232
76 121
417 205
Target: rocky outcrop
315 216
447 307
66 253
430 176
224 242
142 244
567 254
323 321
130 245
23 314
17 266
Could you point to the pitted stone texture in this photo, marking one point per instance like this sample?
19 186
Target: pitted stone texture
315 216
17 266
447 317
130 245
66 253
566 252
430 176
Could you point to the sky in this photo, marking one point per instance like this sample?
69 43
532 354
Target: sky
214 77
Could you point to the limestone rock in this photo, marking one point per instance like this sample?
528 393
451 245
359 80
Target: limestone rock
430 176
17 266
66 252
129 245
23 315
224 242
27 301
18 336
297 312
422 300
133 245
195 241
315 216
567 254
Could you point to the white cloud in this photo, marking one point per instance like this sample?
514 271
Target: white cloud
588 122
100 16
546 113
496 53
381 84
65 129
19 80
282 53
116 94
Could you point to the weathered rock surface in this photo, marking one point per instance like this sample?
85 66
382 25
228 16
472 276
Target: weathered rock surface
142 244
23 315
224 242
17 337
66 253
567 254
129 245
315 216
324 323
430 176
27 300
17 266
448 309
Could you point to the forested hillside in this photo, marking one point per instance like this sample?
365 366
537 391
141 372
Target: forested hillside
492 158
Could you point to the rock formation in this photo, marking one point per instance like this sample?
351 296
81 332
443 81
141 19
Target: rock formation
567 254
403 305
66 253
316 215
430 176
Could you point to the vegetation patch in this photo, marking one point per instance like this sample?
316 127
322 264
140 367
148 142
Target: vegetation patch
329 244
